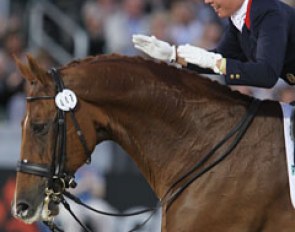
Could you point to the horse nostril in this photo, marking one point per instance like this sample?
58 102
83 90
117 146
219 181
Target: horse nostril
21 208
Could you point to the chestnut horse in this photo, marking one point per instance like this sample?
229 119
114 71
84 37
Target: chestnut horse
167 119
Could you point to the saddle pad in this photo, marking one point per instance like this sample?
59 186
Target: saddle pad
289 145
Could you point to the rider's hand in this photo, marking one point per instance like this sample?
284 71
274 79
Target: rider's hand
199 56
155 48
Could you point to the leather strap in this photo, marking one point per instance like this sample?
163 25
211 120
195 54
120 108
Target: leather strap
35 169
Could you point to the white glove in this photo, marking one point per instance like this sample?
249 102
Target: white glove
199 56
155 48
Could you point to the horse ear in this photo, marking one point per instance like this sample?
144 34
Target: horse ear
36 70
23 69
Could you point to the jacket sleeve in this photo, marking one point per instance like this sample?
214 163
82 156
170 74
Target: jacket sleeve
228 46
266 66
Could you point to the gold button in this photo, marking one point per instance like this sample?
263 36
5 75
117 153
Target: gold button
291 78
238 76
232 76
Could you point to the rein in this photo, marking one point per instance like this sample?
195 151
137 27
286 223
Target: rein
59 180
240 129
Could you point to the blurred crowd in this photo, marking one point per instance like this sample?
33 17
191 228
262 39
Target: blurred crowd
109 26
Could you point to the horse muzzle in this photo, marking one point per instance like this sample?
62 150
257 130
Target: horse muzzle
25 212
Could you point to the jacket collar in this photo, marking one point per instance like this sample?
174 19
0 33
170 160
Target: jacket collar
238 18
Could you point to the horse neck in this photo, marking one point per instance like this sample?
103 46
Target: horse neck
163 126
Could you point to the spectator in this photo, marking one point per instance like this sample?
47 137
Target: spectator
108 7
3 74
156 5
160 25
204 13
12 83
211 35
120 27
185 26
93 19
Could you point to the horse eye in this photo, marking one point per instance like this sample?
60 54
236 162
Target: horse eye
39 128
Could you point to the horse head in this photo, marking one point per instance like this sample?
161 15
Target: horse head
46 167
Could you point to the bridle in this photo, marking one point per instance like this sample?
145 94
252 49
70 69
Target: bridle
59 180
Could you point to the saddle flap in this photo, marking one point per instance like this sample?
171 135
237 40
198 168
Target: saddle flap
288 119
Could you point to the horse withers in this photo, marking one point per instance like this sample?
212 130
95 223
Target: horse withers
167 120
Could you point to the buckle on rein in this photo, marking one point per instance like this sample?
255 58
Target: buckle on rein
54 191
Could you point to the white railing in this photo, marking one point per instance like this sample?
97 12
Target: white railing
38 37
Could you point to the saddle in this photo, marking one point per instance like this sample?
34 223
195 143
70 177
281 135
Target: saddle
292 133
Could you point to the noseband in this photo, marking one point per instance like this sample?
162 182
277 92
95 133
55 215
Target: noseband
58 178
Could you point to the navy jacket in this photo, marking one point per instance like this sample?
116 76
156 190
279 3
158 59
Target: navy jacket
263 52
